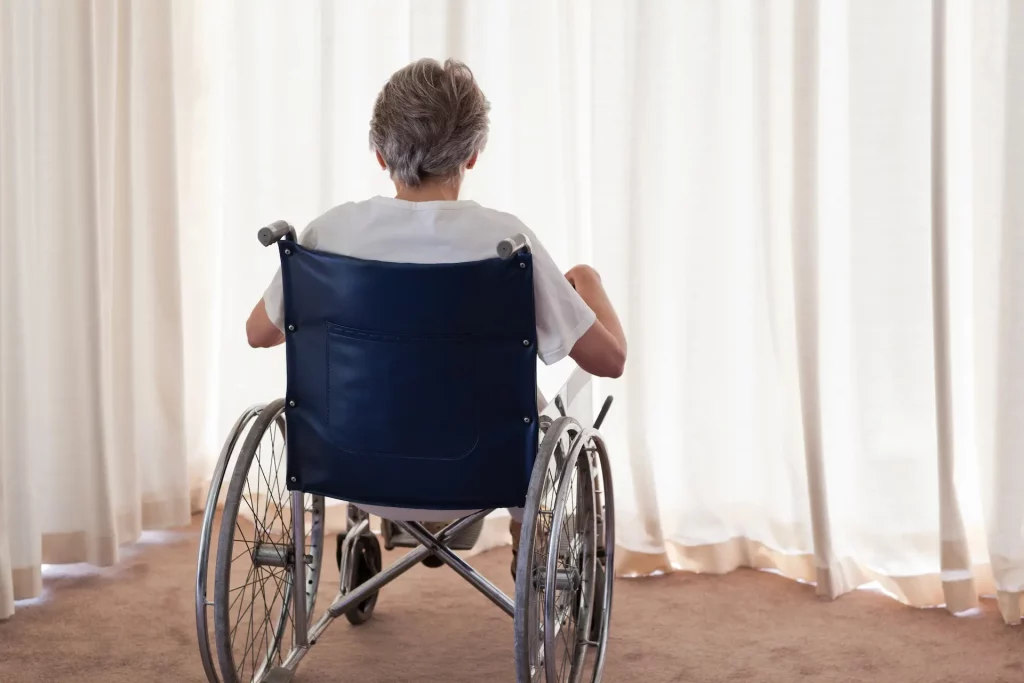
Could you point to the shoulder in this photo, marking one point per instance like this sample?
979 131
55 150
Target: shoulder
339 215
333 220
510 224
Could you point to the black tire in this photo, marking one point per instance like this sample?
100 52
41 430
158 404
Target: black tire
366 563
597 624
605 584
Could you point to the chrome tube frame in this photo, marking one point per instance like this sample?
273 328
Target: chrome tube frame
344 602
408 561
460 566
300 622
205 534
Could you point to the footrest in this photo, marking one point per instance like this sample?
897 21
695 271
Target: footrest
398 538
394 537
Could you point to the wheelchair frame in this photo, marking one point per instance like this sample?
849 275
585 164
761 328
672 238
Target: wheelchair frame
559 586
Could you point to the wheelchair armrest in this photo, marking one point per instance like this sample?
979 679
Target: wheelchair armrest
508 248
276 231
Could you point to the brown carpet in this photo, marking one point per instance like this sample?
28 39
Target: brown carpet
135 624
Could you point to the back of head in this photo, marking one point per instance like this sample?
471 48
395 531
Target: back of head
429 121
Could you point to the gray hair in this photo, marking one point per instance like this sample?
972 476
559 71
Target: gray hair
428 121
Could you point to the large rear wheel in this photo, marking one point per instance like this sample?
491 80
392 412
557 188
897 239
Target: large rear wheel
207 538
254 584
570 573
536 544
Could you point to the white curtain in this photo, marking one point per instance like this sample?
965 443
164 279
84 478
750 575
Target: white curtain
91 353
805 213
809 212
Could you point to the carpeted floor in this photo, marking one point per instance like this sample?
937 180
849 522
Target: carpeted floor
135 624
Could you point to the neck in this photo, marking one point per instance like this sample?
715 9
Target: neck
428 192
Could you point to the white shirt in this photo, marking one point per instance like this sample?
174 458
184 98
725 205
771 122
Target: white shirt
398 231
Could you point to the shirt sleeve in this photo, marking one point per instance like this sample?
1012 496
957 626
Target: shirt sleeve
562 315
273 297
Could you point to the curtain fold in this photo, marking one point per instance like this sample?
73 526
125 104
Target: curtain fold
959 589
871 461
91 405
805 212
1004 462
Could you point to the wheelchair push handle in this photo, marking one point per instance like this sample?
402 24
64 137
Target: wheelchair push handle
509 247
277 230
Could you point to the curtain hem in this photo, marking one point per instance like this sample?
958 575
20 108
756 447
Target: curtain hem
920 591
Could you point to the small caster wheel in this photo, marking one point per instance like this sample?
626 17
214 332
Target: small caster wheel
434 561
365 563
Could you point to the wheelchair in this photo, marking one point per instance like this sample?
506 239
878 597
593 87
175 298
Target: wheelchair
408 386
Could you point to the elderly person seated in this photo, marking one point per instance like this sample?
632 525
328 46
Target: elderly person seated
429 126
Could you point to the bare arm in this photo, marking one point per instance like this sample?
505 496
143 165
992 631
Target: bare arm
260 331
601 351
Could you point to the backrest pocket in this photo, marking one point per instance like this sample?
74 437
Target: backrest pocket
400 395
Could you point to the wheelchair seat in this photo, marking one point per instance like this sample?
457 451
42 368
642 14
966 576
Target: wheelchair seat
411 392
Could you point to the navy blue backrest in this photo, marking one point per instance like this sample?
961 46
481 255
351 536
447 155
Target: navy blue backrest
410 385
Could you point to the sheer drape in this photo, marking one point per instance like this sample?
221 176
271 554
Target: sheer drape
805 212
829 389
91 401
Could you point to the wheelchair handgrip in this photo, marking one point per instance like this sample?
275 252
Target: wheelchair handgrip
604 411
509 247
276 231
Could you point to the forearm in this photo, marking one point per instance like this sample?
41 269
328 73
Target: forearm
260 331
595 297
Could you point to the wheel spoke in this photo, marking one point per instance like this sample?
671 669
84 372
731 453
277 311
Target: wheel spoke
278 509
247 584
250 647
270 497
241 605
266 479
242 554
248 634
267 616
249 547
248 501
281 592
264 628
